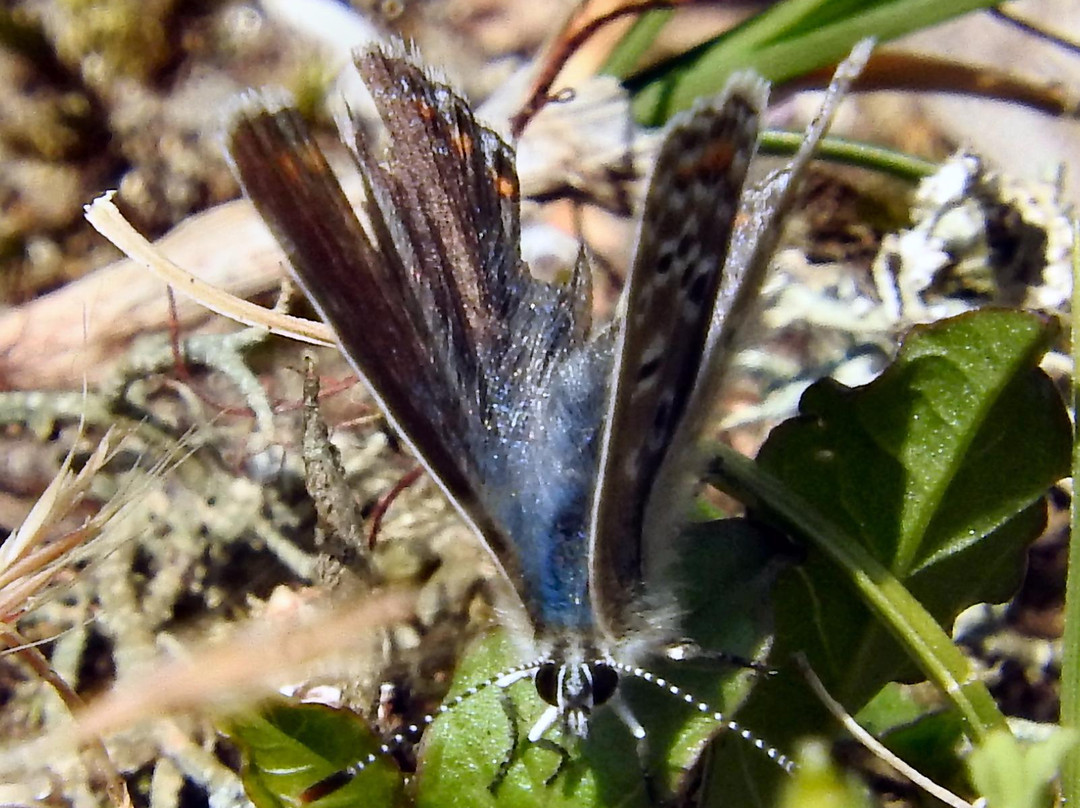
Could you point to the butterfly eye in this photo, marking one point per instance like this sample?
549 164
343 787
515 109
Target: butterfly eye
585 686
547 683
605 681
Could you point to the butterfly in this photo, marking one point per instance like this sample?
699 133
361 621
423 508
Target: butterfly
569 450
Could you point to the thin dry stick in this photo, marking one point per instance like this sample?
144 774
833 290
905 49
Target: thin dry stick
573 35
1035 29
95 750
909 72
175 340
383 505
253 662
872 743
107 220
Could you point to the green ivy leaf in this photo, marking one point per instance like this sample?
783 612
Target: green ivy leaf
287 748
938 470
924 735
819 784
1014 774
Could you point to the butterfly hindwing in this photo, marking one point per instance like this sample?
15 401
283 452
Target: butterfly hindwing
670 301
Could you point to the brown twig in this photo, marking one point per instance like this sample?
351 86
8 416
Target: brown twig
1037 30
174 337
384 504
896 70
572 36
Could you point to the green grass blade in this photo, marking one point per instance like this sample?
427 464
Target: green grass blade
1070 663
788 40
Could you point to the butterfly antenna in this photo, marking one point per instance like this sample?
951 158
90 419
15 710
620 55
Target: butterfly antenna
770 751
412 732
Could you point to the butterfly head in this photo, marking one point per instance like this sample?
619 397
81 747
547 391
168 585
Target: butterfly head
573 690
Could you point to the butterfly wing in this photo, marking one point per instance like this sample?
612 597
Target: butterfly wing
673 294
678 339
426 300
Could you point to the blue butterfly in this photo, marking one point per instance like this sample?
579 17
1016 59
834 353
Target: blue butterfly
568 450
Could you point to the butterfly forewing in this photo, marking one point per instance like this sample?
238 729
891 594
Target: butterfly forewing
421 311
453 190
670 302
286 175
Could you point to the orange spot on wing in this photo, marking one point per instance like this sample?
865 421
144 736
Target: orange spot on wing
714 157
463 144
299 161
425 110
506 186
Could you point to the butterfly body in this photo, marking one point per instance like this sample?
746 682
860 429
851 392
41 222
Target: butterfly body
551 452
